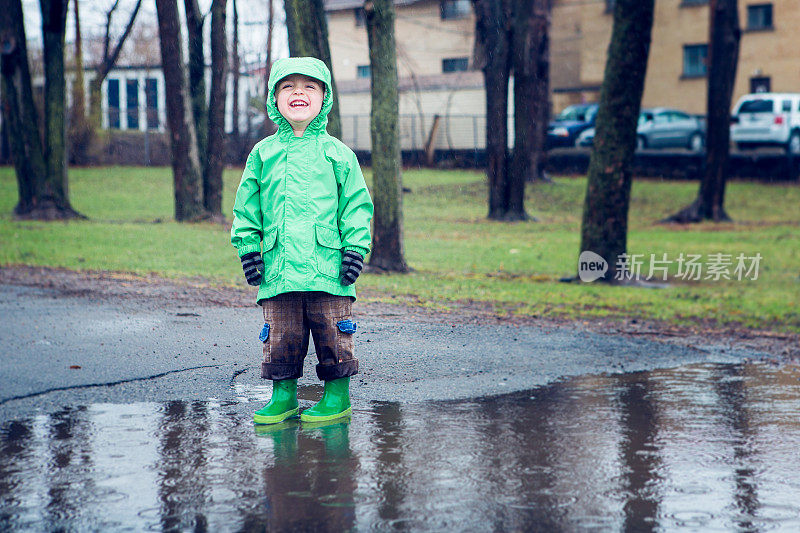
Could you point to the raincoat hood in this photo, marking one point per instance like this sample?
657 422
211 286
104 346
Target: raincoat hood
308 66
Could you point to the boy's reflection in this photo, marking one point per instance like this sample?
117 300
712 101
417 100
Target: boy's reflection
311 481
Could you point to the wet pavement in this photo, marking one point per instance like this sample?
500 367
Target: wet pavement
455 427
705 447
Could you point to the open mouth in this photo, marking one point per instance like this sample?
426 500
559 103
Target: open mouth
298 103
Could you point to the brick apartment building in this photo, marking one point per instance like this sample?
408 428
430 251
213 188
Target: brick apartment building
435 40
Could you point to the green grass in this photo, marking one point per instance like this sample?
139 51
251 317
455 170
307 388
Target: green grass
456 253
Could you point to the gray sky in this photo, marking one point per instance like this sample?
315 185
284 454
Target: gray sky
252 23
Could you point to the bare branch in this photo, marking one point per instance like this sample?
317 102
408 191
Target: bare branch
127 32
109 15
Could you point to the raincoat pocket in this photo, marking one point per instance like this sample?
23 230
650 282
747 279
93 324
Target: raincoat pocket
327 252
270 253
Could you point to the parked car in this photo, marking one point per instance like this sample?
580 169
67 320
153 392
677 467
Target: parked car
767 119
564 130
661 127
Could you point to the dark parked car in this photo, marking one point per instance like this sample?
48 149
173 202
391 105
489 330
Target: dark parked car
564 130
661 127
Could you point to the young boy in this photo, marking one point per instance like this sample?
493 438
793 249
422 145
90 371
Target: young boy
301 227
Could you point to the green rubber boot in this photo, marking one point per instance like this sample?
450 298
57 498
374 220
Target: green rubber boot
335 402
282 405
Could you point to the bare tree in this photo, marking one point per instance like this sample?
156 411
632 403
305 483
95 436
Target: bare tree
215 156
141 46
604 229
109 59
78 100
723 56
269 126
197 75
54 192
41 167
209 116
235 68
387 250
405 57
186 173
492 36
307 26
80 133
20 115
54 22
531 62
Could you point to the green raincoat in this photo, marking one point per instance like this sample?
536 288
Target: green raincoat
302 201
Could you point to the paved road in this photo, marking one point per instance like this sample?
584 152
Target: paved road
62 351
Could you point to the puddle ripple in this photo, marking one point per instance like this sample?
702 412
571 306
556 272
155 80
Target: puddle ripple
703 447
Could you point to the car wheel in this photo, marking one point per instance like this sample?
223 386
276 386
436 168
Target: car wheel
641 143
696 142
793 146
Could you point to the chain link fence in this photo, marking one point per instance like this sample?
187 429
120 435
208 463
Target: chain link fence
455 133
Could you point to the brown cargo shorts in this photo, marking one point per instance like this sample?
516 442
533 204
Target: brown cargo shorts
289 318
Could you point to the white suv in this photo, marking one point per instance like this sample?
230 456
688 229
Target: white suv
767 119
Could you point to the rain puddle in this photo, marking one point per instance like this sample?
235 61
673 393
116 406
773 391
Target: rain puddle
702 447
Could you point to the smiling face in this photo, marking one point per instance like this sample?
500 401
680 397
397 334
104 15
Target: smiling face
299 100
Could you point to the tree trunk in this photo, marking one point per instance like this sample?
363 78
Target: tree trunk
215 159
95 97
492 35
53 196
105 66
604 229
20 116
307 26
78 110
723 56
269 127
531 63
541 99
387 250
81 134
197 78
185 163
235 133
530 39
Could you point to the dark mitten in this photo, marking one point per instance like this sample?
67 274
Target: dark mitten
253 268
352 263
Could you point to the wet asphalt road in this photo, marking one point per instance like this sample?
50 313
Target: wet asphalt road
75 350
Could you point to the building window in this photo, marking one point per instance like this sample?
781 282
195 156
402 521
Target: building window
455 64
132 99
759 17
760 84
112 98
694 60
454 9
690 3
361 18
151 102
363 71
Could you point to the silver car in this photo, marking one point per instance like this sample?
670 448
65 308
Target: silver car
661 127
